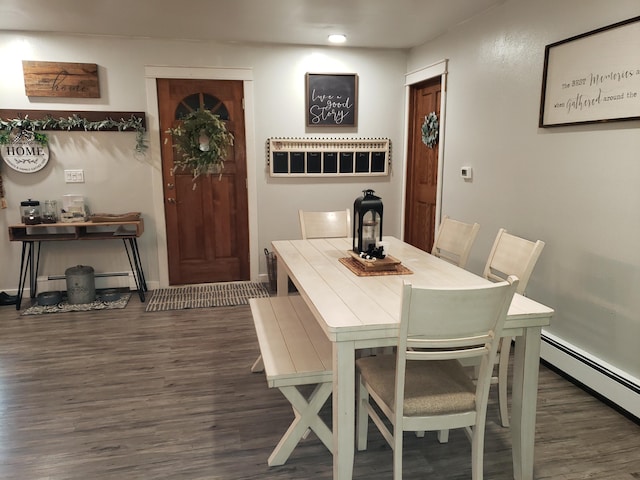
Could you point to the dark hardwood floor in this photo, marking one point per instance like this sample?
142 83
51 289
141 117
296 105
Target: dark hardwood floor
124 394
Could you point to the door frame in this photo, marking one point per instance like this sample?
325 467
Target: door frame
438 69
153 72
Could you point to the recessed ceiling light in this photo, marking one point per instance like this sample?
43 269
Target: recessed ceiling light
337 38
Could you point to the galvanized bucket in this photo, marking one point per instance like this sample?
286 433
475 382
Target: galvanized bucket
81 284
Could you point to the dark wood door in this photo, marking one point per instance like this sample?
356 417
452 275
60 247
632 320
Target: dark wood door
422 168
207 220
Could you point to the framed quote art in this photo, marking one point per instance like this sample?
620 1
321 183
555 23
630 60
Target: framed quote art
331 100
592 77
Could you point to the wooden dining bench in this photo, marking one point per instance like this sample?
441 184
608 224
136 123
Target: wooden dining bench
294 352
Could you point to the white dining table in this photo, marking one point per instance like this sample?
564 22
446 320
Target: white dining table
358 312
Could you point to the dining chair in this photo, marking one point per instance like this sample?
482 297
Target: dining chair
510 255
423 386
334 224
454 240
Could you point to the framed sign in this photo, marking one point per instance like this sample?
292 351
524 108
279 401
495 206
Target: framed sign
332 99
592 77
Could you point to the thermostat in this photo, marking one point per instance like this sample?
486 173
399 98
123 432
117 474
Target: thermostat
466 173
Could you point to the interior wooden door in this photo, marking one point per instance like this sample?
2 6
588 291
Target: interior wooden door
422 168
207 220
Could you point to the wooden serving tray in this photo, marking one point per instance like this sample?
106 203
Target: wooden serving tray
386 263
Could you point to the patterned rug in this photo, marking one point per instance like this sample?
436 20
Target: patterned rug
206 295
65 306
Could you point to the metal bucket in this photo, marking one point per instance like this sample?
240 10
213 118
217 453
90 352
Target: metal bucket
81 284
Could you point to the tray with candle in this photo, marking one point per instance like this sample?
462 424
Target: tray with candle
376 264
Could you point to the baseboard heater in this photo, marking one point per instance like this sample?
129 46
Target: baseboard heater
96 275
614 387
103 280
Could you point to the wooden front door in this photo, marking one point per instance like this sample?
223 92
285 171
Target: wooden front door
207 220
422 168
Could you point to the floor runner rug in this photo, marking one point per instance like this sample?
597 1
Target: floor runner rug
206 295
65 306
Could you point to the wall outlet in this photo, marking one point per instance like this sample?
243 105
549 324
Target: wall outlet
74 176
466 173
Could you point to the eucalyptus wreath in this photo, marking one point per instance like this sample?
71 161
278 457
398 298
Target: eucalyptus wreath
18 128
195 155
430 130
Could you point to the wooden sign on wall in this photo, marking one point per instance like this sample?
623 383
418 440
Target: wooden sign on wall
56 79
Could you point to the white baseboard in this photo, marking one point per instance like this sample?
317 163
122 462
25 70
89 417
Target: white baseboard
606 380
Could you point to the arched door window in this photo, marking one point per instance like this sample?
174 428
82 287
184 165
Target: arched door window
201 100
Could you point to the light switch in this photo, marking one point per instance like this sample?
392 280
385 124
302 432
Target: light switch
74 176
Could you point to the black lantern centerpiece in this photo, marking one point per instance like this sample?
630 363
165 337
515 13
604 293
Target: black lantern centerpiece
367 225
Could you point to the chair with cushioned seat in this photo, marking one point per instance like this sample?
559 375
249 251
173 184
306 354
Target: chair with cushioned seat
510 255
423 386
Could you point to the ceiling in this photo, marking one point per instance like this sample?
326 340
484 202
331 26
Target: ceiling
398 24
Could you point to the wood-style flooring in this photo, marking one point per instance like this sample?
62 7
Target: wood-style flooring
124 394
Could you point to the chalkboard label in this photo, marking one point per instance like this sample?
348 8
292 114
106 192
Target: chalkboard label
362 162
314 162
330 162
280 162
297 162
378 160
346 162
332 100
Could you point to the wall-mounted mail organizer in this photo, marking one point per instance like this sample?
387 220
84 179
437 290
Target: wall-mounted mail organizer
327 157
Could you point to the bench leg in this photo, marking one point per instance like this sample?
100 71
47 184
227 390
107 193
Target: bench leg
258 365
306 417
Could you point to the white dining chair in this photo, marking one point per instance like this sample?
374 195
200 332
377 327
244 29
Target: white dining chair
332 224
454 240
510 255
423 386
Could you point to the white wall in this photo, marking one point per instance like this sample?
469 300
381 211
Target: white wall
576 187
118 181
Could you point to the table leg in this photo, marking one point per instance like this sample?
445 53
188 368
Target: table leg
344 387
33 274
136 267
138 262
282 279
29 263
524 402
25 260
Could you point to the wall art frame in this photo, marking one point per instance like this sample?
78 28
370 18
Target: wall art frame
331 99
592 77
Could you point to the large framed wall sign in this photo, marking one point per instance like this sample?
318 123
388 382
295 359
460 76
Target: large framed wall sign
332 100
593 77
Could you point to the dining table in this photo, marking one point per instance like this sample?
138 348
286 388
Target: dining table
361 310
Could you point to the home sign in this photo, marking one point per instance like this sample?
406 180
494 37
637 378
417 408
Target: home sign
25 156
56 79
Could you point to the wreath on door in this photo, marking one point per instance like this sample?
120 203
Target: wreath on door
202 142
430 130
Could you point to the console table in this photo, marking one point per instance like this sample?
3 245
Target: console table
31 237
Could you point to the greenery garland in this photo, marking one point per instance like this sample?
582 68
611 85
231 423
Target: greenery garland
9 129
202 140
430 130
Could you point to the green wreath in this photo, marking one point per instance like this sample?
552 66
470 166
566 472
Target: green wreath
202 140
430 130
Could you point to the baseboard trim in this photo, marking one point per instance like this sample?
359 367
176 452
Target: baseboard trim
615 388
